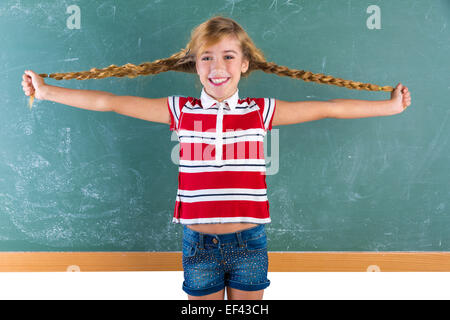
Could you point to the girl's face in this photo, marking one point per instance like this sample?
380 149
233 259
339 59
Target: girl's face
220 66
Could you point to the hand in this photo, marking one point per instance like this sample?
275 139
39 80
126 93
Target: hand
400 98
33 84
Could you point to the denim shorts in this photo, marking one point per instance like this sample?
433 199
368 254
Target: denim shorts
212 262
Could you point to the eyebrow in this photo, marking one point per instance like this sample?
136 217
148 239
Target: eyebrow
204 52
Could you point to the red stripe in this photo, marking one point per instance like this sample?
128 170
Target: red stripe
231 122
222 180
246 121
224 209
199 122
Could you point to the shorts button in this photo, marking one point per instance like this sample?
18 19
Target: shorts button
214 241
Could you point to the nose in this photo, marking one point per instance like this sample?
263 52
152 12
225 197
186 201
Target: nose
218 64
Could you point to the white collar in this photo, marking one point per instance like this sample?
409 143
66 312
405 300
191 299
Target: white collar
208 101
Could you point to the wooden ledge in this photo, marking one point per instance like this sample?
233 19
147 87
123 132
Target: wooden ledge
278 261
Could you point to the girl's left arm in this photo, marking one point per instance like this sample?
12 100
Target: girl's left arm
302 111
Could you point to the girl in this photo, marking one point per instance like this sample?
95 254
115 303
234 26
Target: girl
221 200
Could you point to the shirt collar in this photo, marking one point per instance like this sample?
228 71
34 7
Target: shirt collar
208 101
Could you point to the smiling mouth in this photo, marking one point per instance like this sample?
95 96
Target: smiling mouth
218 81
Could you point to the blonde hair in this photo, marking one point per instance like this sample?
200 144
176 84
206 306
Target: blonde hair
206 34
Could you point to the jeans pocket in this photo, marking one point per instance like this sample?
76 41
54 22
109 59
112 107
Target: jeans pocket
258 243
189 249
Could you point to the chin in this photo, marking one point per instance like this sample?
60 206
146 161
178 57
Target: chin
228 89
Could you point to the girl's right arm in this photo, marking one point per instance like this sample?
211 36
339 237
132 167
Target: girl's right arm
143 108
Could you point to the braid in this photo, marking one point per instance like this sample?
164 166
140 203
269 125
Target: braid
179 61
175 63
270 67
183 62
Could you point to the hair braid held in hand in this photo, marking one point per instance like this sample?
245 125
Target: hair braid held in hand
204 35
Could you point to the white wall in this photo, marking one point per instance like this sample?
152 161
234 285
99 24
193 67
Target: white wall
167 285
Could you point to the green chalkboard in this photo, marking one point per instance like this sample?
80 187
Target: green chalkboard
77 180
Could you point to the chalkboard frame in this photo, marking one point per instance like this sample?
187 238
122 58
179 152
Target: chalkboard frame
278 261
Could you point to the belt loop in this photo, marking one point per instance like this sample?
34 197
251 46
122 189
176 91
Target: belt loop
239 238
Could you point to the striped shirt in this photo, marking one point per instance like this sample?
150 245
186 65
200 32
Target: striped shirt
222 168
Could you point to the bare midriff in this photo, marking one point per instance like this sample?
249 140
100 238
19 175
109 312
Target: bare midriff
218 228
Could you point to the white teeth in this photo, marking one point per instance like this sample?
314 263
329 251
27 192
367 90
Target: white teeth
219 80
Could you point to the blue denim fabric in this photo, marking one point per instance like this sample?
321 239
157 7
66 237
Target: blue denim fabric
213 261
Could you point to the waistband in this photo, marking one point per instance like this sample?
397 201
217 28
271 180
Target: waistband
235 237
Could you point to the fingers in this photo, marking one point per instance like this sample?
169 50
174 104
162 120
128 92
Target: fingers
403 90
406 93
27 89
28 92
27 85
29 75
406 97
26 79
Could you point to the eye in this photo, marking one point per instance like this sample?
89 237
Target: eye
230 57
205 58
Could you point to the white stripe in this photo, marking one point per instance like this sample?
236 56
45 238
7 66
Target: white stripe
267 114
231 133
221 168
196 166
233 139
174 103
233 194
221 191
259 162
230 140
222 220
219 131
187 136
185 139
266 110
204 134
228 133
237 197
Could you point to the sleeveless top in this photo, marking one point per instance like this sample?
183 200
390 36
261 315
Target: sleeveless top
222 168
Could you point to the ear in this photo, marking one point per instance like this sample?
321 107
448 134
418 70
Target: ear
245 64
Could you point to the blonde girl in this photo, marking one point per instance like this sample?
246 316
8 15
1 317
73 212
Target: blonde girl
222 199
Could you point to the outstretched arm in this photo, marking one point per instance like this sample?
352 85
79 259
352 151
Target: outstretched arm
155 110
303 111
347 108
